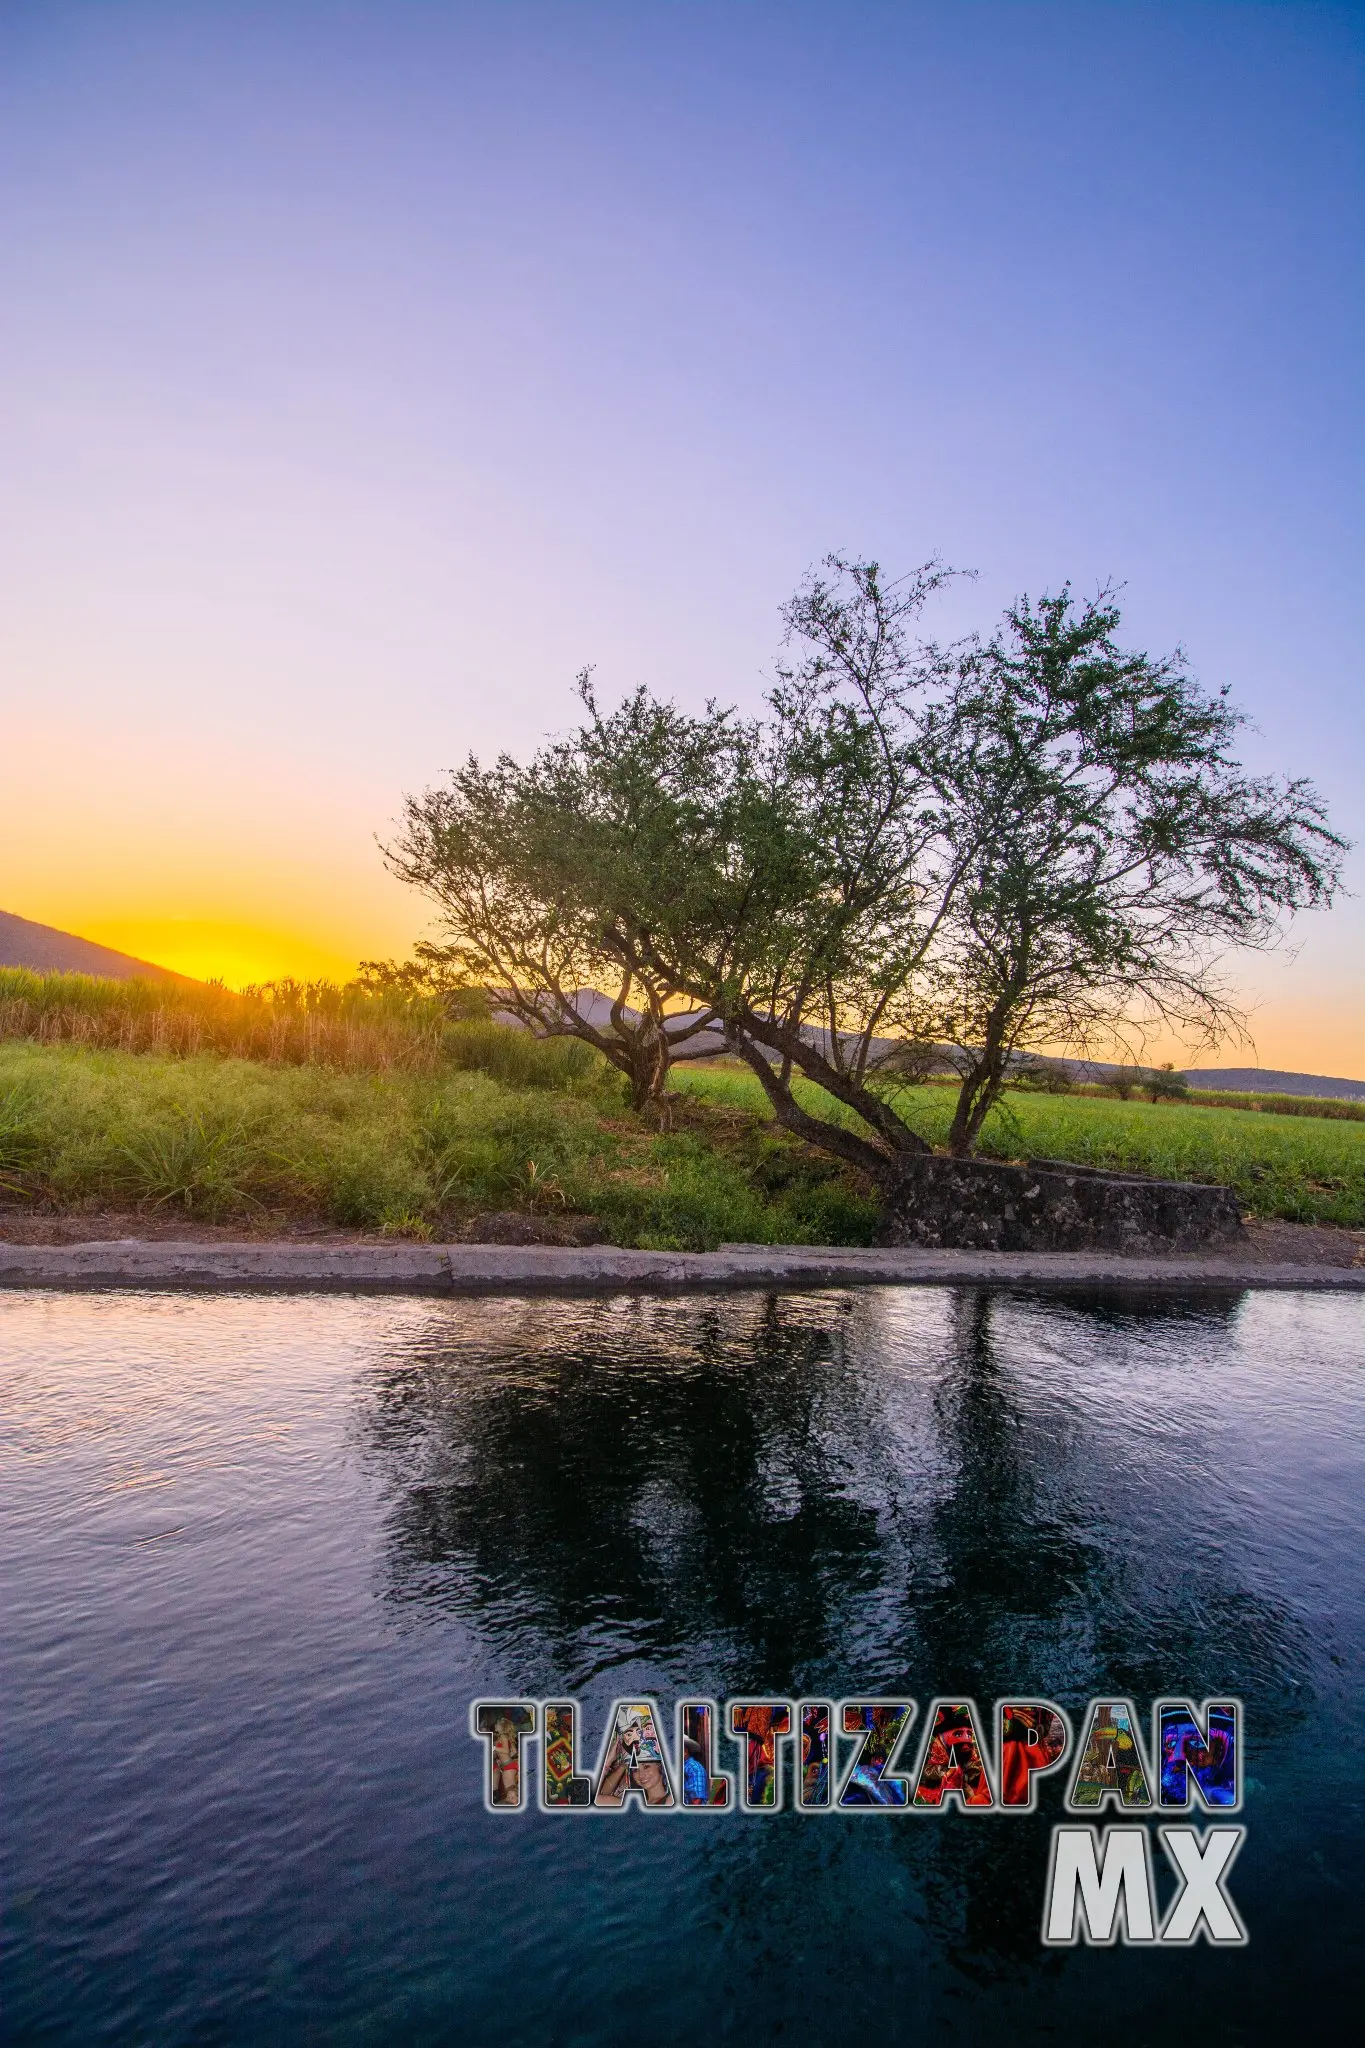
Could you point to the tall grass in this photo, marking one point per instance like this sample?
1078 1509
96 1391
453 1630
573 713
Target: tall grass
227 1140
1335 1108
284 1022
355 1027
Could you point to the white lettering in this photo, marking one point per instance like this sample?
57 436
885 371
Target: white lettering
1203 1900
1111 1891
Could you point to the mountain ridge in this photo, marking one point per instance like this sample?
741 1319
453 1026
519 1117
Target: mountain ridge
46 950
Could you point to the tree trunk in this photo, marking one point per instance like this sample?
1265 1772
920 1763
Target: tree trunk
871 1159
749 1033
647 1052
981 1086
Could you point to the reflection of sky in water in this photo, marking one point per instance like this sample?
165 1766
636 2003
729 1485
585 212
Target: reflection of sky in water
259 1554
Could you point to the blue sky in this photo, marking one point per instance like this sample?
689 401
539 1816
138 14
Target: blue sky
367 369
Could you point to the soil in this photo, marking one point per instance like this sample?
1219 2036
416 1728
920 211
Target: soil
513 1226
1271 1244
1302 1244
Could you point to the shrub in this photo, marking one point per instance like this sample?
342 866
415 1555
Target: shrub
1053 1077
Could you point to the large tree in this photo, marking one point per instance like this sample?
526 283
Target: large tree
1113 850
787 874
1021 843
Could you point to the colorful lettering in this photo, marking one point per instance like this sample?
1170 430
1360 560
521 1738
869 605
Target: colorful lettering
563 1784
953 1762
1110 1765
760 1724
881 1723
1206 1752
702 1783
505 1725
812 1786
634 1761
1034 1739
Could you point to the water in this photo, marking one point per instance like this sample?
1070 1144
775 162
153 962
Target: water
259 1554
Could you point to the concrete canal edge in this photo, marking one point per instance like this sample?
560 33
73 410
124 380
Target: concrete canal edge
467 1269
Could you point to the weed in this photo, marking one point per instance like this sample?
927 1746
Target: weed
416 1227
194 1162
20 1143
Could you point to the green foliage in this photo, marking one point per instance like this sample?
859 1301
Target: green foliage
194 1161
20 1138
233 1140
519 1060
1051 1076
1334 1107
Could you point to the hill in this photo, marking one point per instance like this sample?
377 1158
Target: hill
49 951
1269 1081
596 1007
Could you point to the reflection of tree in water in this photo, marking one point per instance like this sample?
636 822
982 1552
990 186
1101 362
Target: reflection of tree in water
633 1481
760 1497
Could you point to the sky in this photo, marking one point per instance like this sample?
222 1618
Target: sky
366 370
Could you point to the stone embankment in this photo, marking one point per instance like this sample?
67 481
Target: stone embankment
465 1269
1049 1206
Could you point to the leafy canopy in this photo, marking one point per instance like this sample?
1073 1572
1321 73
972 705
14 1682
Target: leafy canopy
1039 839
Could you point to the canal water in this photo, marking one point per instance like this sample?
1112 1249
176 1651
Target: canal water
259 1554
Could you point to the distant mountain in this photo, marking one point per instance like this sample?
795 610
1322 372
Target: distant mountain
48 951
1237 1080
1269 1081
596 1007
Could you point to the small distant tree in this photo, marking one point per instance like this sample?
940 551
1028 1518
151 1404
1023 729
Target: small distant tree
1052 1077
430 976
1164 1084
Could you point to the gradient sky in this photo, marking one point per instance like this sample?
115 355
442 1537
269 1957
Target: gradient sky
367 369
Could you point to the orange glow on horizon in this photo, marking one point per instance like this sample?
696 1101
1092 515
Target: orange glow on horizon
216 949
1294 1037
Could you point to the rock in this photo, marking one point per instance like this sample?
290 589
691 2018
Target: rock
1048 1206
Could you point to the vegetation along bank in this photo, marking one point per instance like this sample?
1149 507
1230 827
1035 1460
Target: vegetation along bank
373 1108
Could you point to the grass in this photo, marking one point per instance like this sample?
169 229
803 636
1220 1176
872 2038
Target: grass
1301 1169
225 1139
289 1022
375 1109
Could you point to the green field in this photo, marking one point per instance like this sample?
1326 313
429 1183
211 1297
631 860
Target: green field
503 1123
1304 1169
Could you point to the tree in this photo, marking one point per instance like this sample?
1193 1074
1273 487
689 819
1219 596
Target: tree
1050 1077
788 878
512 867
1038 841
1113 850
430 976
